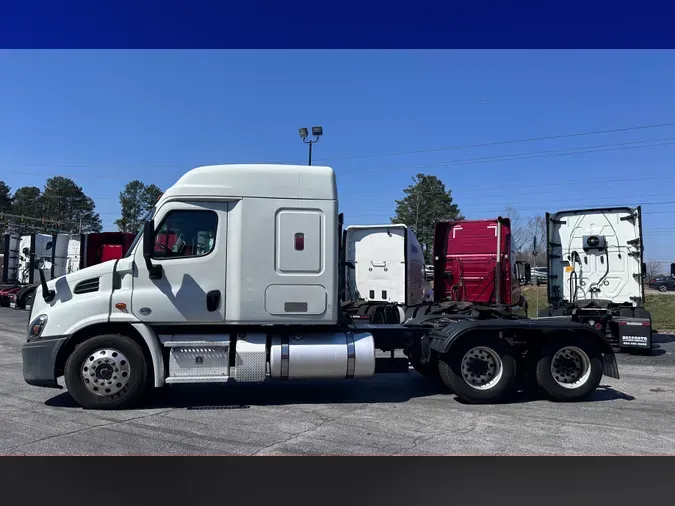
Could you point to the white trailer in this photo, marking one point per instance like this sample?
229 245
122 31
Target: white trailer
596 273
237 277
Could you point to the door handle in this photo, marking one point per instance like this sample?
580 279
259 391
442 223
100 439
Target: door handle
213 300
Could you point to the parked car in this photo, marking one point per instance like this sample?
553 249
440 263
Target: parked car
662 283
540 275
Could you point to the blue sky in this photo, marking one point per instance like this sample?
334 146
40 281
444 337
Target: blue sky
106 117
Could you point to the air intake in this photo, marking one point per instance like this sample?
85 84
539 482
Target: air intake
87 286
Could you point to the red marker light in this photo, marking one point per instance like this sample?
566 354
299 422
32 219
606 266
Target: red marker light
299 242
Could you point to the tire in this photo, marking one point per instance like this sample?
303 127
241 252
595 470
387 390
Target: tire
503 377
429 371
587 369
29 301
663 288
22 295
123 355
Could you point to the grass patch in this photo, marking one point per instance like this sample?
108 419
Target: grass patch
661 307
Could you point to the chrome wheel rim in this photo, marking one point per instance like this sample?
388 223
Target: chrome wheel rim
482 368
571 367
105 372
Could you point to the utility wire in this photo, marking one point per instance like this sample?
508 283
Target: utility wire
371 155
498 143
583 199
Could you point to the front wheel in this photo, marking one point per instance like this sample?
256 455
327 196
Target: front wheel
663 288
107 372
479 370
569 370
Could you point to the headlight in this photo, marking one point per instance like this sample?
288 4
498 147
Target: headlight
37 326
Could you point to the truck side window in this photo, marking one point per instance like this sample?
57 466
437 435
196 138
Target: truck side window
185 234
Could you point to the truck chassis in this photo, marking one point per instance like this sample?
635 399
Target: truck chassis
481 361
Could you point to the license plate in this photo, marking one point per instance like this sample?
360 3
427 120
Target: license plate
12 305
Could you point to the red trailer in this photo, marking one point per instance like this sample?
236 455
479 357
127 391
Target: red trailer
104 246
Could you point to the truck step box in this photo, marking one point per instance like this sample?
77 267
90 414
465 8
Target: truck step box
188 361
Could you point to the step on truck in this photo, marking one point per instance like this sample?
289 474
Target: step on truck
250 291
596 273
474 269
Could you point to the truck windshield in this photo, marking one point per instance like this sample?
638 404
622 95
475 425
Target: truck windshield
139 234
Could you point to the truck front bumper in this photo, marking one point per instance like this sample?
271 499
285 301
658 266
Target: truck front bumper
39 361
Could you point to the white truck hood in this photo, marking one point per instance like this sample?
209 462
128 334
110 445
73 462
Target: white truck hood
64 286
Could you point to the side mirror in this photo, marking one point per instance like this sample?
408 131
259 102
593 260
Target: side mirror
149 249
148 239
644 270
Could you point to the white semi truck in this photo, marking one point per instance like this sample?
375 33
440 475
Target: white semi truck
236 276
596 273
386 272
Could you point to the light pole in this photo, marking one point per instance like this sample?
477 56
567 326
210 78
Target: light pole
317 132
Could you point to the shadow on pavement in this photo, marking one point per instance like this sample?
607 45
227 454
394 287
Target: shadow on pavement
663 338
603 393
394 390
398 388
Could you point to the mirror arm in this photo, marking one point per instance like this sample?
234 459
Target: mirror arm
47 294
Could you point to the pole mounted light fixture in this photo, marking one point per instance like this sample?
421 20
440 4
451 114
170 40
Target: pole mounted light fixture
317 132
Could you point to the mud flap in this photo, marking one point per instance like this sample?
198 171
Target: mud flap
609 366
634 333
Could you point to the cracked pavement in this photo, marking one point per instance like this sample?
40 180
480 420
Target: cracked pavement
391 414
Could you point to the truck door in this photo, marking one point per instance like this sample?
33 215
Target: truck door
191 248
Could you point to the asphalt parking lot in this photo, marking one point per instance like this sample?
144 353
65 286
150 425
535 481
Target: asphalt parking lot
395 414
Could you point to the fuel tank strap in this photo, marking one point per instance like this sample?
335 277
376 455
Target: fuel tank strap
351 356
284 357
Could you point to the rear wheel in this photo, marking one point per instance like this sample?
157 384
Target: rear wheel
569 369
107 372
429 370
479 370
22 296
